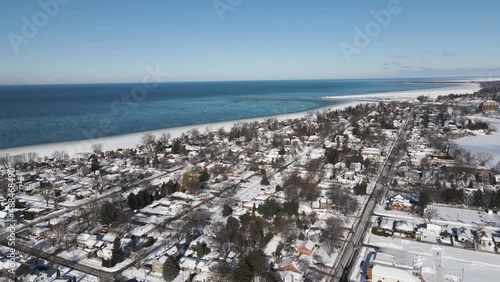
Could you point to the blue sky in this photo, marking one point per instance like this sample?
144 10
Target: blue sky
114 41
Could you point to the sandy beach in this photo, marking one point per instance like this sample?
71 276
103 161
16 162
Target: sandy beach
133 139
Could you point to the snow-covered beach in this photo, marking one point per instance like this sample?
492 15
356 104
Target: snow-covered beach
133 139
464 88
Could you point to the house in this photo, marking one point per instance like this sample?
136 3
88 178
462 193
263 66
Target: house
405 228
386 225
496 239
399 203
193 264
461 235
489 107
390 273
82 238
109 238
290 276
106 253
349 175
370 153
40 277
356 167
383 258
306 247
485 239
158 264
31 186
289 264
3 218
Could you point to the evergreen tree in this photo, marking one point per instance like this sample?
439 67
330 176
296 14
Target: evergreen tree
478 199
360 189
200 249
172 187
156 162
264 180
243 273
204 175
269 209
176 146
157 196
95 165
257 261
424 199
132 201
226 210
170 269
117 254
291 208
245 219
108 213
302 236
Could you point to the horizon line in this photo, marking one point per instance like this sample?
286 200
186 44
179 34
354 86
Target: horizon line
249 80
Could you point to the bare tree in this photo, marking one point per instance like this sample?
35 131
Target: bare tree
346 203
496 168
484 158
191 181
60 155
331 234
199 219
59 234
430 213
96 148
47 194
194 134
222 271
164 138
221 133
286 227
31 157
98 182
4 187
18 160
218 235
5 161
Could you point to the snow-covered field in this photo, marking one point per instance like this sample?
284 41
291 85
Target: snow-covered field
484 143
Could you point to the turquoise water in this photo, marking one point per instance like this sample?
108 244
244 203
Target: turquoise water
39 114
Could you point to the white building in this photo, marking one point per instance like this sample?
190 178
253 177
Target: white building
389 273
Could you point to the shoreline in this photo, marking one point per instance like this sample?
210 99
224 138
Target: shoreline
131 140
464 88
